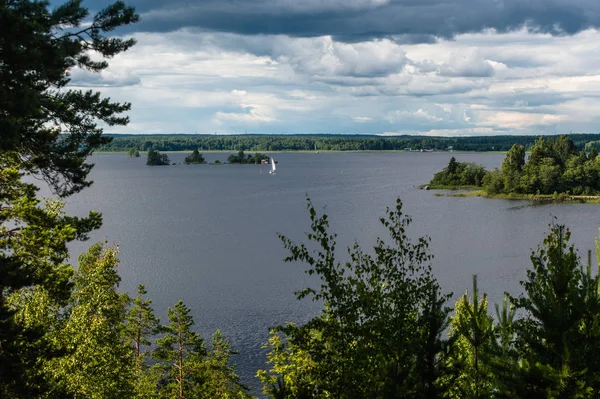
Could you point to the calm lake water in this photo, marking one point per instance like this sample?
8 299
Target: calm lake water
208 234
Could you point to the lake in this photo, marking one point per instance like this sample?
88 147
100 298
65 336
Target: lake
208 234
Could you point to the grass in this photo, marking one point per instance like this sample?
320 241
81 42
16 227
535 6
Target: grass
441 187
558 198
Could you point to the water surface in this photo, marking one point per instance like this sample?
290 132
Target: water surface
208 234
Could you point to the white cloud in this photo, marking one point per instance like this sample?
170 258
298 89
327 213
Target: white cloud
424 115
300 94
107 78
322 56
466 63
517 120
473 131
252 114
485 83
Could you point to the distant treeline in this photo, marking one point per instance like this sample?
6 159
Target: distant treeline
328 142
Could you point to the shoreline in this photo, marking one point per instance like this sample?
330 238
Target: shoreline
307 152
543 198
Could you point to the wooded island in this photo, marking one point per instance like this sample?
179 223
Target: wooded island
554 167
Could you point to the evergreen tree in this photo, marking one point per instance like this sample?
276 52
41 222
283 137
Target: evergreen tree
505 365
561 304
141 325
51 128
511 168
181 352
223 382
33 251
473 349
98 362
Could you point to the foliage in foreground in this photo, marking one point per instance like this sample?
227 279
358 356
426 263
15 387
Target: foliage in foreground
381 332
66 332
47 131
102 339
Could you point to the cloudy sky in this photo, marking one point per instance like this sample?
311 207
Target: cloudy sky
432 67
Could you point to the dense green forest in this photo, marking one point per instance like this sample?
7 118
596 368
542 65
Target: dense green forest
555 165
327 142
386 329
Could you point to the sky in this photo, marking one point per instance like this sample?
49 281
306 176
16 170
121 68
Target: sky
386 67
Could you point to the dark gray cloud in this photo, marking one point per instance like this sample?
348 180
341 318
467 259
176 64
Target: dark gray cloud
357 20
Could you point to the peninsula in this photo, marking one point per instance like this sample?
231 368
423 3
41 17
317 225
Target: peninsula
554 170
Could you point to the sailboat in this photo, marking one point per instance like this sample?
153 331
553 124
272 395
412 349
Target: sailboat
273 167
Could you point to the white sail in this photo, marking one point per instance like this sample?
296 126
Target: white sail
273 167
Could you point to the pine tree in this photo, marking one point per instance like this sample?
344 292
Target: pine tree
223 382
98 362
51 128
473 348
560 327
181 352
141 325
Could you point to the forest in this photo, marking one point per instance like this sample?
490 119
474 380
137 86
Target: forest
554 166
325 142
386 330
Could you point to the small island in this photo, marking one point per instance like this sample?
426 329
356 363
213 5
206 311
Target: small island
155 158
242 158
194 158
554 170
133 153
